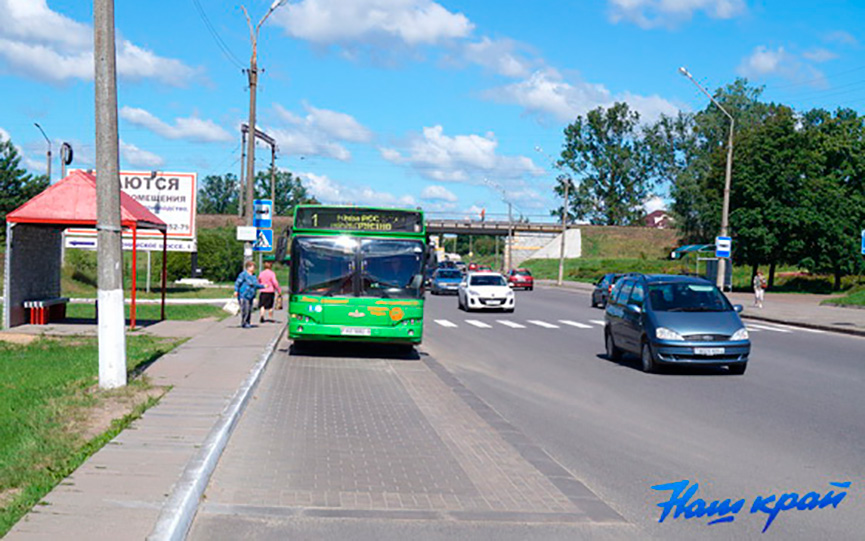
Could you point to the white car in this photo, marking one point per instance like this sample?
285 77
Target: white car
485 291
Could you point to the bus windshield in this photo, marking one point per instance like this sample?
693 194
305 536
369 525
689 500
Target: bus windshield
357 267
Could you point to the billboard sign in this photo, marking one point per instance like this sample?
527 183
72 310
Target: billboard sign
146 244
171 196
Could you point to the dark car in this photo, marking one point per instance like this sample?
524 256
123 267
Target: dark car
521 278
445 281
675 320
603 288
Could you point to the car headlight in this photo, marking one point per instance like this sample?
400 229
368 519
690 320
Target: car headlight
473 293
663 333
741 334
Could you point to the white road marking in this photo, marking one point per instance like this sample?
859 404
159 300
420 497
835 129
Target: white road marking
543 324
752 329
765 328
803 329
478 324
445 323
575 324
511 324
600 322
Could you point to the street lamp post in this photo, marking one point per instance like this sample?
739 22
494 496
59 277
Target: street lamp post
725 209
510 244
566 180
49 150
252 73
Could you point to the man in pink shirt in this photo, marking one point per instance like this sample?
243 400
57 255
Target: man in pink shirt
267 278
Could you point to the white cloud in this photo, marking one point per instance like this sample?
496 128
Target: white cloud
764 62
438 193
819 55
412 22
669 13
653 203
461 158
45 45
842 37
500 56
137 157
190 128
329 191
546 92
319 133
4 135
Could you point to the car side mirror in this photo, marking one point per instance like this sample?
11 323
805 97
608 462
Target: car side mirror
738 308
510 285
635 308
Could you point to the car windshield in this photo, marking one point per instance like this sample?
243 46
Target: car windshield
449 274
522 273
350 266
687 297
487 280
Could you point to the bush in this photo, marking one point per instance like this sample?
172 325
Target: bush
220 255
82 266
179 265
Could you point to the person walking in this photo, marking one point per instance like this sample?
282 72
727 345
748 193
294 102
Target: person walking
245 288
267 278
759 289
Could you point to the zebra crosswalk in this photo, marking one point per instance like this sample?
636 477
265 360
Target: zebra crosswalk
563 324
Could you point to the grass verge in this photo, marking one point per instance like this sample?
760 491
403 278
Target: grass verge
49 406
143 312
855 297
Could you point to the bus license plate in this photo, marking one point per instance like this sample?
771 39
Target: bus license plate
708 351
356 331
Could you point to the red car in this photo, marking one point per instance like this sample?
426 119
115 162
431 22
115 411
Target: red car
521 278
473 267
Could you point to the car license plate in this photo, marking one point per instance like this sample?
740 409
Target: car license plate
708 351
494 303
355 331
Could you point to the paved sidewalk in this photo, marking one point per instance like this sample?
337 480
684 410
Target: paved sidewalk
786 308
118 493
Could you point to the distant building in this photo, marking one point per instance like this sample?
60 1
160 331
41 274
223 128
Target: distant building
659 219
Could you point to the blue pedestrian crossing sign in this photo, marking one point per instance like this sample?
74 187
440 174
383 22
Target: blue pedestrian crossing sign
723 246
262 213
863 242
263 241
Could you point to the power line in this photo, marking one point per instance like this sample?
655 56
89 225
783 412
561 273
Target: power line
216 37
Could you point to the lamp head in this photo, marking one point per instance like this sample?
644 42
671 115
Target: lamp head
684 71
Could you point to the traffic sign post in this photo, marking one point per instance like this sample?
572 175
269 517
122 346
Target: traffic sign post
723 247
863 242
262 213
263 241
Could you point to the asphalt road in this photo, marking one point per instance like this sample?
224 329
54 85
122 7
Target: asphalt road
793 423
348 417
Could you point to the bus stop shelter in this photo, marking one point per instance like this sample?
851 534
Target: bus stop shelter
34 241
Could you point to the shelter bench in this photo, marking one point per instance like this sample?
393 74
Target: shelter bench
44 310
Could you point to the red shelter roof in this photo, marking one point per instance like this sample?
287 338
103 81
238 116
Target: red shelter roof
72 201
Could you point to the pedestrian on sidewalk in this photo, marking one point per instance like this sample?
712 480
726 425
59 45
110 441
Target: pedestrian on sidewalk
759 288
245 288
267 278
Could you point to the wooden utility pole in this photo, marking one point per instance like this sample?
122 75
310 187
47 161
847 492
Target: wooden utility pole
110 314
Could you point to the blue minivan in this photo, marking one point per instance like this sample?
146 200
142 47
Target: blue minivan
675 320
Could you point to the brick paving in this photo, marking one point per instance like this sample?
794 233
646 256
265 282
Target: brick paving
387 438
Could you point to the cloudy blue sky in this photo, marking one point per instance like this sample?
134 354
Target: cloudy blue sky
407 102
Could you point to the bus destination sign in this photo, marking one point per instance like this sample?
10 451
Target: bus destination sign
359 219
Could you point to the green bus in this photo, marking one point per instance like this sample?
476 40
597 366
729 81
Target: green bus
357 274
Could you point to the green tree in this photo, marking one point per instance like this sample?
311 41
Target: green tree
689 154
289 191
608 158
769 202
835 206
17 186
218 194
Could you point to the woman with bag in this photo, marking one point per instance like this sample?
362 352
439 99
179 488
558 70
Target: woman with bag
245 288
268 280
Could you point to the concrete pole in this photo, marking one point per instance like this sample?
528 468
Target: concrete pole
250 143
273 178
241 187
564 233
725 210
510 236
110 314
